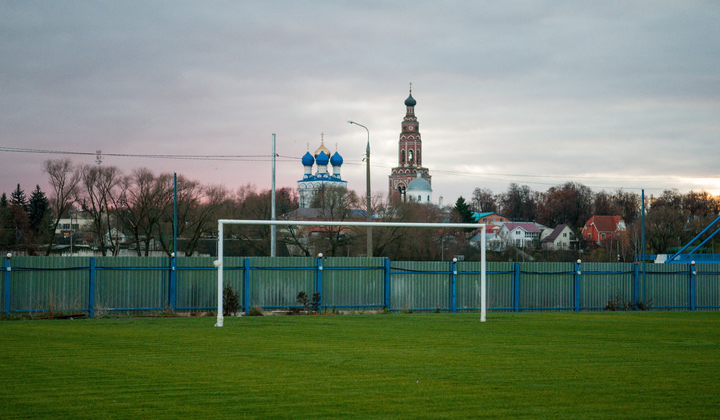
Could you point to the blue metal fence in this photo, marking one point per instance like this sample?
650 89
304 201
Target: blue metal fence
136 284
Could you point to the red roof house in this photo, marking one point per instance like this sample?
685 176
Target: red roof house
599 229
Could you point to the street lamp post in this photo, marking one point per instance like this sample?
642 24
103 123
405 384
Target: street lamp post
368 207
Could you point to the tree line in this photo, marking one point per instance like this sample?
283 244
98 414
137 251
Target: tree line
135 211
672 218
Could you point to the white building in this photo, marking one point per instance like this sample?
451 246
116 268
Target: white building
419 190
519 234
312 182
560 238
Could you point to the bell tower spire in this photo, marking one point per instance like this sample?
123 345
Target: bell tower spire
409 153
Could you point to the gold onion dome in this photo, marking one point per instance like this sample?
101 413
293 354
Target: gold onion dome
322 148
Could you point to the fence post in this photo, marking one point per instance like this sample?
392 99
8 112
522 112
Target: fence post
6 293
635 285
576 285
386 273
516 287
172 284
246 285
453 285
91 289
318 278
693 274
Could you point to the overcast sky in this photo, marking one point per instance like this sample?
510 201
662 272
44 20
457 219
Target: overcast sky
611 94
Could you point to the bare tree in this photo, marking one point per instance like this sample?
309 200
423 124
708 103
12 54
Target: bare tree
101 185
483 200
64 178
142 205
197 208
518 202
334 203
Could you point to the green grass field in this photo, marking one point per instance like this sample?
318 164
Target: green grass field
658 365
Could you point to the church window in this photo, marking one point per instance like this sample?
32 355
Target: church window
417 156
402 156
410 155
419 199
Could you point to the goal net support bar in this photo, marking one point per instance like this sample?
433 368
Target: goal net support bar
223 222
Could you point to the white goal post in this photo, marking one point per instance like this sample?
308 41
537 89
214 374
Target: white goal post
223 222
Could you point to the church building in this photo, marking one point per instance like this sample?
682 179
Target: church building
312 182
409 180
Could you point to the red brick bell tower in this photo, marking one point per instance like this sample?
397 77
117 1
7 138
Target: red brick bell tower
409 154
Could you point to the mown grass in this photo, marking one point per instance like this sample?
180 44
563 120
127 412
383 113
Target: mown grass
516 366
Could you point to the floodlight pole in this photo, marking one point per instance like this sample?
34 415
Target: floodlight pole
273 228
368 204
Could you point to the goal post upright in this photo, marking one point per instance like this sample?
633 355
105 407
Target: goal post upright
219 264
483 276
222 222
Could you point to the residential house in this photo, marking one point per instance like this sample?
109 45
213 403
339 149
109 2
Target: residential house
599 229
560 238
520 234
490 218
493 242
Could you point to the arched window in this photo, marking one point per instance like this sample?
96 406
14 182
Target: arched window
410 155
417 156
402 156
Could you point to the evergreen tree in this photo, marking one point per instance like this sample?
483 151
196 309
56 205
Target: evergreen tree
17 198
20 222
7 230
464 211
38 210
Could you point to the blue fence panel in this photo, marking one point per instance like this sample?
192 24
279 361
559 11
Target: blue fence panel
353 282
668 286
420 285
48 284
125 284
547 286
276 282
707 287
602 283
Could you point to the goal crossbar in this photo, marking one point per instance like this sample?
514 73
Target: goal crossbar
223 222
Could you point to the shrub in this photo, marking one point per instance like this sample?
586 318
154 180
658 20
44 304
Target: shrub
644 306
231 301
255 311
315 304
617 304
302 299
293 310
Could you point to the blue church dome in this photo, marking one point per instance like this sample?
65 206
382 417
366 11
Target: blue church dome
336 159
322 159
419 184
308 159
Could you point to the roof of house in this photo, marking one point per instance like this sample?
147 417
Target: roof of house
477 216
555 233
604 223
526 226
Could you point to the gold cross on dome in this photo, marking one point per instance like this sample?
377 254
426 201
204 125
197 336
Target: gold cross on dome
411 88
